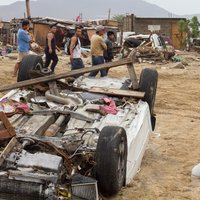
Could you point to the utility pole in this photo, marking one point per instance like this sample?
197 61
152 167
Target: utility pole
109 14
81 17
28 9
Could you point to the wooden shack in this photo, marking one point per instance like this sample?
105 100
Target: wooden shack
163 26
41 29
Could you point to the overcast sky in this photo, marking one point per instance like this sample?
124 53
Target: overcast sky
179 6
174 6
6 2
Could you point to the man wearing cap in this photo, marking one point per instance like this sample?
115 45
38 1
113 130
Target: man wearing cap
98 46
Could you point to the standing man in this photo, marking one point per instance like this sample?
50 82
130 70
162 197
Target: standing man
98 46
108 54
23 40
75 50
50 49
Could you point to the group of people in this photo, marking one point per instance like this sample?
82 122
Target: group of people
101 51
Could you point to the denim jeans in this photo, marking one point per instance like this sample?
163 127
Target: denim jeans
97 61
77 63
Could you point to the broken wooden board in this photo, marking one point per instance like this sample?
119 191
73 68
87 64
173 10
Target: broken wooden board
37 125
7 130
65 75
117 92
7 150
133 76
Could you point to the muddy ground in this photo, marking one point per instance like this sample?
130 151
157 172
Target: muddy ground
174 148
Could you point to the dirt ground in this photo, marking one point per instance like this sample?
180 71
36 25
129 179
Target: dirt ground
174 147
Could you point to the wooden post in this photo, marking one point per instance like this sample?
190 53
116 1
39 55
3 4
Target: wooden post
133 76
28 9
7 150
131 70
121 32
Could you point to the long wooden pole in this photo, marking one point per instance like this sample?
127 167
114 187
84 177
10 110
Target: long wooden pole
28 9
67 74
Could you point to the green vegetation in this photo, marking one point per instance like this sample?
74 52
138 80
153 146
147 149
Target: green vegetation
194 25
119 18
188 29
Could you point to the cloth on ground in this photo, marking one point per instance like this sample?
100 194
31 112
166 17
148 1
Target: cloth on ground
111 108
10 107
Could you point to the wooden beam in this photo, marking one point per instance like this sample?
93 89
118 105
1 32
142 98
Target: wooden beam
117 92
133 76
7 150
9 130
28 9
65 75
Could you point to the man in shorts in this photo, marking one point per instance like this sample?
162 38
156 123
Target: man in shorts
23 40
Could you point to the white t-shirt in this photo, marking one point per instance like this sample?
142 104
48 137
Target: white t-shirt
77 50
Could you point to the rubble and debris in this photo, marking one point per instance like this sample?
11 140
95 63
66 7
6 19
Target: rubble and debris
178 65
196 171
58 151
10 107
150 48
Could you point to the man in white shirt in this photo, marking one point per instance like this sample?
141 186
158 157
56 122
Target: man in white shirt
75 50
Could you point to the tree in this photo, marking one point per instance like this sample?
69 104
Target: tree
194 25
119 18
183 31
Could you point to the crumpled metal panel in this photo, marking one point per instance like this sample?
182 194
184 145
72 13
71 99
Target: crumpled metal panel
17 94
88 82
123 118
38 160
135 120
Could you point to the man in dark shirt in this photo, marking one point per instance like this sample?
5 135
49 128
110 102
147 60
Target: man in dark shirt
50 49
108 54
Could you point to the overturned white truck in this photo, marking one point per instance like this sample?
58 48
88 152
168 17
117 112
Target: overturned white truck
76 138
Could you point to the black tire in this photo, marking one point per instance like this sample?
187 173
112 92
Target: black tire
28 64
148 84
111 159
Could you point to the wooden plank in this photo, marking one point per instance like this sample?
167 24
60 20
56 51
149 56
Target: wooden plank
7 150
9 130
117 92
133 76
65 75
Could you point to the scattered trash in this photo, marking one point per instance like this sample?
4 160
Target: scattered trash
178 65
196 171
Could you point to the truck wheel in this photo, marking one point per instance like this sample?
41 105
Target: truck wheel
148 84
111 159
28 64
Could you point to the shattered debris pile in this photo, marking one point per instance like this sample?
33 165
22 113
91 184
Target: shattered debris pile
55 136
149 48
146 53
36 48
6 49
